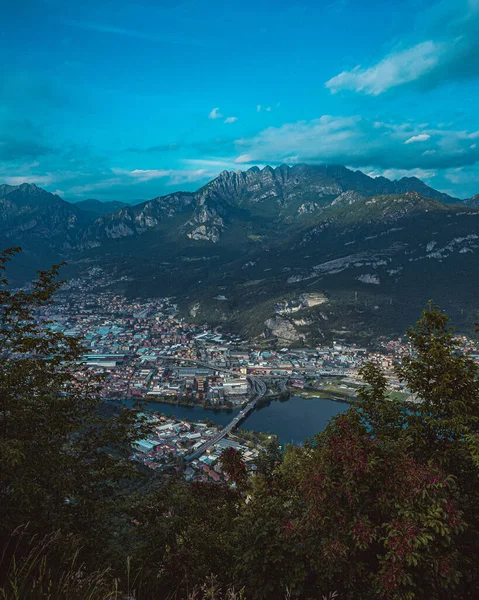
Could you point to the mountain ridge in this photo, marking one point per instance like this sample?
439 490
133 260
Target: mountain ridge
375 249
474 201
273 193
99 208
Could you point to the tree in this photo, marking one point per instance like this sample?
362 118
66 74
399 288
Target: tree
384 502
269 458
354 514
235 467
182 535
440 425
61 460
446 384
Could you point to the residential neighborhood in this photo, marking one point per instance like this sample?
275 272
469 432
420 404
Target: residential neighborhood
146 350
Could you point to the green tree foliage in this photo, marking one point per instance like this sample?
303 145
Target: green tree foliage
269 458
61 460
181 534
384 503
447 387
440 424
350 513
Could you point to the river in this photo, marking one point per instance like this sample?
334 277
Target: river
292 421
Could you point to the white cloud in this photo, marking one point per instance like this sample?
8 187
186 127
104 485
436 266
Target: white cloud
173 175
215 114
443 46
462 177
214 165
79 190
359 141
40 180
268 109
179 176
305 139
231 119
244 158
422 137
399 173
208 162
475 135
148 174
258 108
141 35
396 69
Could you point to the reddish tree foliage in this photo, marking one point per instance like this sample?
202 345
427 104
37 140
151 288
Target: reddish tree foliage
234 466
369 502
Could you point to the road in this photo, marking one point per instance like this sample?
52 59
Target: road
259 390
206 365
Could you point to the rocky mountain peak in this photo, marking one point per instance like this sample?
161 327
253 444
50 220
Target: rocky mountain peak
474 201
28 187
28 194
283 181
410 179
5 189
348 197
269 195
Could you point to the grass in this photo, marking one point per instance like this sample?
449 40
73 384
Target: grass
50 568
324 393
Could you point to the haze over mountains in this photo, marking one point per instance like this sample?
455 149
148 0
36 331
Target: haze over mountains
299 254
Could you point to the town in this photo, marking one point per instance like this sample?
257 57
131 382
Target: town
173 442
145 351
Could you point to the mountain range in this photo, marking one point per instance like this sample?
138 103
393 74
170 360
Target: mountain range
296 254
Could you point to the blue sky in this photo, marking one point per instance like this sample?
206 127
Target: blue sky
133 99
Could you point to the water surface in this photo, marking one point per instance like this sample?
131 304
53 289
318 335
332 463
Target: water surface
292 421
295 420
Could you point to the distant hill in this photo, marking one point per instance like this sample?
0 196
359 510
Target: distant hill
372 249
42 223
98 208
280 194
474 201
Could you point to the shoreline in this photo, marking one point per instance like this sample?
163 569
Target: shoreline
307 393
310 393
285 396
162 400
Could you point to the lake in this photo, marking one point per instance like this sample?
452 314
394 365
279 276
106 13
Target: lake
292 421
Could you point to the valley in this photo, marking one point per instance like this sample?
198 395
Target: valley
245 251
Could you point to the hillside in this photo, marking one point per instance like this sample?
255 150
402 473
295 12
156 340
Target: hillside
474 201
262 238
281 195
247 242
89 512
376 262
42 223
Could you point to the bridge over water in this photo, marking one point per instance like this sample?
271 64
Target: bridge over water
259 390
